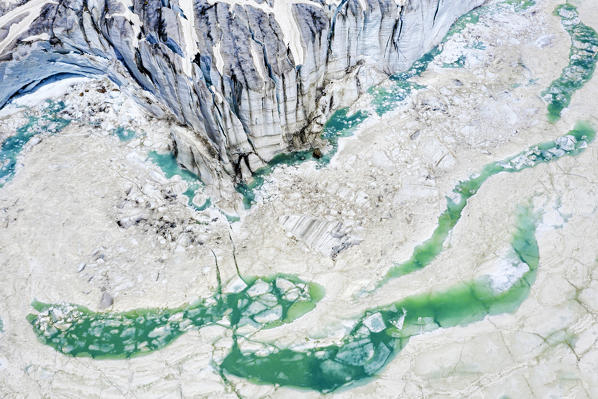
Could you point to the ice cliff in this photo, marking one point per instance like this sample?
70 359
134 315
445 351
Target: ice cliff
250 78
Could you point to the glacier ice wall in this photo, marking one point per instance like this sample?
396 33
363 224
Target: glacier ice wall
251 78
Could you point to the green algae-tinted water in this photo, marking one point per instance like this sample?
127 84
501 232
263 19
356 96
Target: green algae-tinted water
259 302
382 332
247 190
459 63
267 302
386 99
124 134
378 335
48 122
170 167
340 124
520 5
582 62
571 144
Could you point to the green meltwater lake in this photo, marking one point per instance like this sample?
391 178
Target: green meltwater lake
267 302
569 145
257 302
379 333
582 62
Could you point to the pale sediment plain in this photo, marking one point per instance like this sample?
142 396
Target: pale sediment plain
60 240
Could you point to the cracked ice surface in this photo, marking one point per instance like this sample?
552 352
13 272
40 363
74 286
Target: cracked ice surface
59 240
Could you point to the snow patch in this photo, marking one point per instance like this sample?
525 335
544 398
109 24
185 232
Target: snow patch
507 273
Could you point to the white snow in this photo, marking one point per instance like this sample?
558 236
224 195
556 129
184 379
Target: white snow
30 11
218 58
45 92
257 57
189 34
283 13
508 272
131 17
33 38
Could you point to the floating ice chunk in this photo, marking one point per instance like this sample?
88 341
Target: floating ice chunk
375 323
566 143
506 165
112 323
177 317
255 347
62 325
454 197
380 357
399 323
557 152
356 353
337 370
255 308
96 331
159 332
258 288
523 161
185 325
292 294
235 286
128 333
268 299
567 13
56 313
509 271
283 284
270 315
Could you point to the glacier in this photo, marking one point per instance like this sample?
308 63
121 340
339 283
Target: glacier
242 81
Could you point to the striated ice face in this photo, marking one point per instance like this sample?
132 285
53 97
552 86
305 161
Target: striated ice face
197 59
283 14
